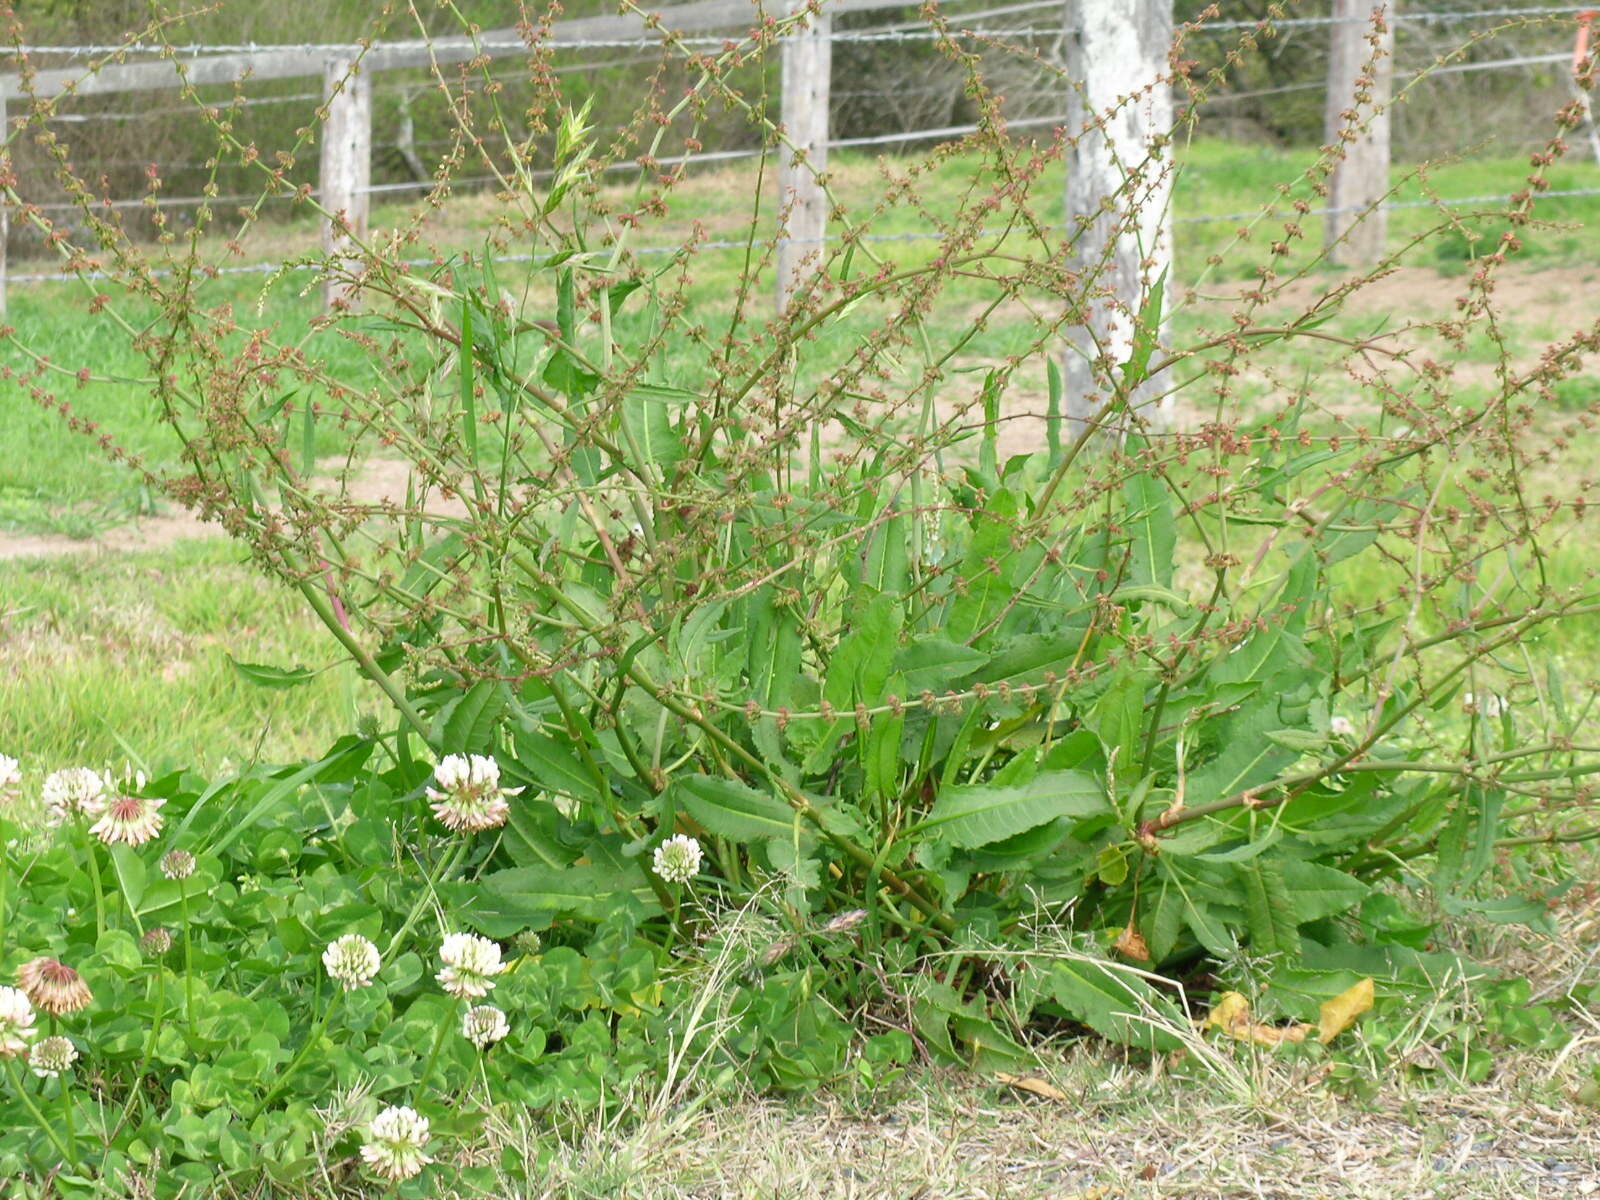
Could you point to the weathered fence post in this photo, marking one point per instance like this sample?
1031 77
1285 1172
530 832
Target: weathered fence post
807 66
5 211
1118 190
346 166
1356 124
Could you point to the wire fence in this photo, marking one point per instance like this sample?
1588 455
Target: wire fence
994 24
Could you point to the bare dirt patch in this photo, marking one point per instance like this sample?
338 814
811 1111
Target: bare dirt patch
375 482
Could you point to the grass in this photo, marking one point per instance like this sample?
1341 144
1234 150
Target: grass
111 658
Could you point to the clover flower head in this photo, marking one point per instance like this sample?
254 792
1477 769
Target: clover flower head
131 820
484 1025
156 942
469 798
53 986
677 860
1342 727
74 792
470 965
10 778
16 1022
846 921
51 1056
351 961
177 864
396 1151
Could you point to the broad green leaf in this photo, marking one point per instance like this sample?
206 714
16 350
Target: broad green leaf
1150 524
549 766
1317 891
1116 1003
860 669
736 810
266 676
933 664
983 571
647 412
467 725
1269 909
586 891
1119 720
972 815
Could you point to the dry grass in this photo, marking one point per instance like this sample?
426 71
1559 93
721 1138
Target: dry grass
1120 1132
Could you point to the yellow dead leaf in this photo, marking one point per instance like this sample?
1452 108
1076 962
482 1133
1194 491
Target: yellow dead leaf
1028 1083
1231 1014
1132 945
1341 1012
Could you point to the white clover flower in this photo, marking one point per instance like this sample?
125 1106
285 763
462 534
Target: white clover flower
469 798
396 1151
1489 705
16 1022
51 1056
1342 727
74 792
10 779
177 864
131 820
484 1025
677 860
470 965
352 961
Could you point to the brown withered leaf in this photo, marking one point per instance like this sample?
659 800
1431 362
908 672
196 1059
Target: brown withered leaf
1132 945
1231 1014
1341 1012
1030 1083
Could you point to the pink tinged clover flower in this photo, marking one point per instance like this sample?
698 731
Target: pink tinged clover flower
396 1150
16 1022
469 798
470 965
74 792
131 820
10 779
352 961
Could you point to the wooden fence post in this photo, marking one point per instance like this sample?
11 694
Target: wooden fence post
5 212
1118 190
346 167
1356 124
807 66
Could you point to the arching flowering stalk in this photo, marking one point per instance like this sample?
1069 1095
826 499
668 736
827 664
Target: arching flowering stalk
470 965
352 961
397 1149
469 798
16 1022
